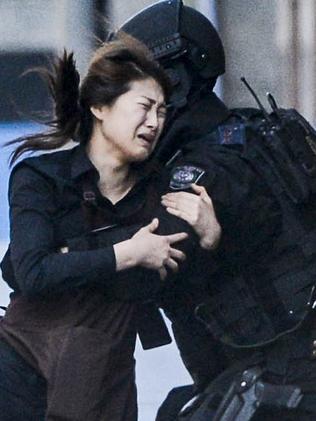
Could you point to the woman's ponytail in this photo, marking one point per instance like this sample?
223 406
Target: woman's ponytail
63 83
64 88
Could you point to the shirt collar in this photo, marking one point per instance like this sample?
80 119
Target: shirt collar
81 163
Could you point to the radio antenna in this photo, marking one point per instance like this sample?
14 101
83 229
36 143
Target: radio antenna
265 113
272 102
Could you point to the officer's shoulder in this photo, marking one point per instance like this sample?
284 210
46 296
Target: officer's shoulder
232 132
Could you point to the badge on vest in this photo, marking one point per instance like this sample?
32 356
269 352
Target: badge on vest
183 176
232 134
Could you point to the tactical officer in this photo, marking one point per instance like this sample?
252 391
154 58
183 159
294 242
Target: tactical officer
257 303
192 152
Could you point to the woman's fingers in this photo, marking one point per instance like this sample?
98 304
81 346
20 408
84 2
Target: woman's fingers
179 203
172 264
179 198
184 209
189 206
201 191
182 201
153 225
185 198
180 214
197 189
174 238
177 254
162 273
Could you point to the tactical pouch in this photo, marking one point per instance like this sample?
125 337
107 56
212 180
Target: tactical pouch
271 298
244 317
282 146
235 317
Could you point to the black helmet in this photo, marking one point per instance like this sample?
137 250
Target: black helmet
172 30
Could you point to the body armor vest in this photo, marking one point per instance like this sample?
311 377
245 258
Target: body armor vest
256 302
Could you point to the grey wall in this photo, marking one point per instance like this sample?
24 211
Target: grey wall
122 10
249 36
273 44
47 25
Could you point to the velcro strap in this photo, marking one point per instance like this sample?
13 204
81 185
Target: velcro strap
151 327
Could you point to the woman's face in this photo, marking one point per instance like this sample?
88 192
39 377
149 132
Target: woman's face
131 126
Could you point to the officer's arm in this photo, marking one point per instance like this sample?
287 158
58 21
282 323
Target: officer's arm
245 207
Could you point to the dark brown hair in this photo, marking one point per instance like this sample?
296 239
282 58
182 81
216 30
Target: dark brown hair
113 67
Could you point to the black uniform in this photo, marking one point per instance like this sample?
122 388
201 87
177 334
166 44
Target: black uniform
259 301
266 269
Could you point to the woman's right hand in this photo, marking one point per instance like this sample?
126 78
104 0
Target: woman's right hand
155 251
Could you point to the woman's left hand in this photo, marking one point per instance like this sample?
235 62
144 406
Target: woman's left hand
197 209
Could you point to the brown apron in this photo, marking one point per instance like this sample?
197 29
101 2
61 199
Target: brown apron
85 356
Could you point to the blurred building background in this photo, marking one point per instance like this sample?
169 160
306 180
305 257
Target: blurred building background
272 43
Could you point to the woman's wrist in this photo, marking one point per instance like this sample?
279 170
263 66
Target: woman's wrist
211 240
125 255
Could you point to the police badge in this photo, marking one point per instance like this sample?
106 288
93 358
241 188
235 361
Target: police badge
183 176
